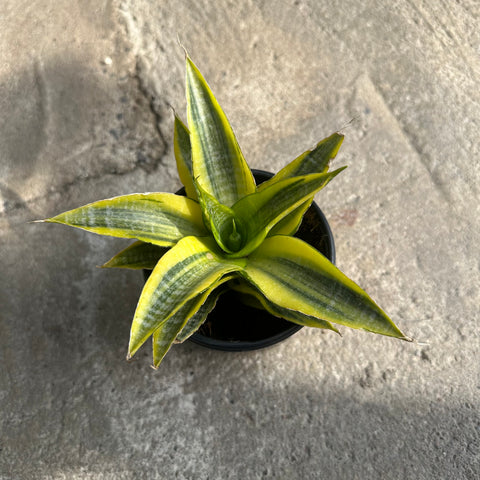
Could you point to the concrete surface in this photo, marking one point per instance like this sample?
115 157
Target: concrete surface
84 94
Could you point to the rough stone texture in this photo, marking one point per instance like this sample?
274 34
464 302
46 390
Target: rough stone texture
84 95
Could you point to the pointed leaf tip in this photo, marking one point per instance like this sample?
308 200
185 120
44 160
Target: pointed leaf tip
159 218
185 271
290 272
316 160
217 160
182 46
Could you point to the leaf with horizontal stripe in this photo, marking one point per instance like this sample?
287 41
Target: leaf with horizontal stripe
260 212
277 311
164 336
218 163
316 160
190 316
159 218
293 275
137 256
183 157
195 322
189 268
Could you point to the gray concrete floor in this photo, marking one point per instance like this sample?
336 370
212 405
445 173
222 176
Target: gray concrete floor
85 89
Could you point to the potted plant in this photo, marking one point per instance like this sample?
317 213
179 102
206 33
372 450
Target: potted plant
227 234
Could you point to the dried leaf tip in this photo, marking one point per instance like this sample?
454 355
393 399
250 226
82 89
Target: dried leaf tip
172 108
182 46
348 124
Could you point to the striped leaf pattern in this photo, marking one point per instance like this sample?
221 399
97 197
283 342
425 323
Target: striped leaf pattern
293 275
221 221
185 321
159 218
259 212
311 161
316 160
196 321
289 224
281 312
137 256
164 336
183 157
188 269
218 163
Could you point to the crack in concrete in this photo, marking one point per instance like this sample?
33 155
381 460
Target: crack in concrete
410 138
150 98
447 37
423 156
11 201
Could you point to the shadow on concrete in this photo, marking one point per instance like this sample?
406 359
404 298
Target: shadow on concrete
65 120
73 406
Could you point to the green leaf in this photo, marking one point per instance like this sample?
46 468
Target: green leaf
164 336
312 161
221 221
259 212
188 318
200 316
159 218
137 256
289 224
189 268
293 275
277 311
218 163
183 157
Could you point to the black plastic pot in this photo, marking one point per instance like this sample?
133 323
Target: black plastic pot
233 326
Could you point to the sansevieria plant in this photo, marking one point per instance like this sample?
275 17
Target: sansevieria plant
227 233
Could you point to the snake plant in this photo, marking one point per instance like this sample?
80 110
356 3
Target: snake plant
227 232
